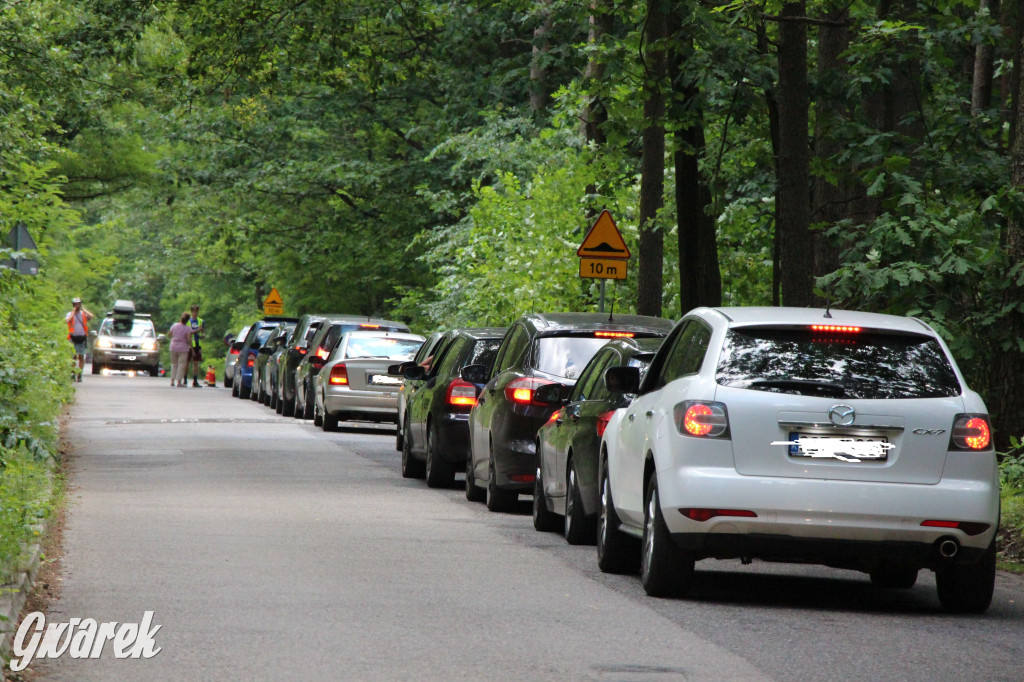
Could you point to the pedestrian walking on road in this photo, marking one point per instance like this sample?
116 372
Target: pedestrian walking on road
181 338
78 335
195 351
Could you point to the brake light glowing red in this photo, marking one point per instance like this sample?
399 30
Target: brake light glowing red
972 432
236 351
701 514
701 419
339 376
843 329
602 422
250 362
461 394
302 351
614 335
520 391
968 527
322 352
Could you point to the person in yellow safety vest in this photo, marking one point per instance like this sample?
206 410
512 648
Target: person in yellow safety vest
78 334
195 351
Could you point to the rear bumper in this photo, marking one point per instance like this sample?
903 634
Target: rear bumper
826 521
369 405
125 359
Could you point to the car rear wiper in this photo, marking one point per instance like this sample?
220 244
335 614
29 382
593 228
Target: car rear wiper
803 386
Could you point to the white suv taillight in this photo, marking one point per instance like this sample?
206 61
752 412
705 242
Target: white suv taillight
702 419
971 432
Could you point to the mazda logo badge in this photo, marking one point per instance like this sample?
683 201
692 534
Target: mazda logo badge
841 415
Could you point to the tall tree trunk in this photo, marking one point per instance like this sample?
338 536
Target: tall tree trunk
652 165
981 86
792 200
700 279
595 114
830 201
1005 401
772 103
539 86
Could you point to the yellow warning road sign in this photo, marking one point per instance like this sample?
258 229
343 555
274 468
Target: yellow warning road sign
273 304
603 241
603 268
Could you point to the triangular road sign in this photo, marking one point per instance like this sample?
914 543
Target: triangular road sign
604 240
273 298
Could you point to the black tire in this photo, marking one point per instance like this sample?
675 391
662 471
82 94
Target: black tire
244 392
616 551
666 570
318 419
234 390
273 401
399 439
154 371
96 369
307 410
498 500
300 406
227 382
440 473
579 529
329 422
543 520
474 493
411 467
287 407
894 577
968 588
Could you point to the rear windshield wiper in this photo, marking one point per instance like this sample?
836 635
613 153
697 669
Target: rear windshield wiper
802 386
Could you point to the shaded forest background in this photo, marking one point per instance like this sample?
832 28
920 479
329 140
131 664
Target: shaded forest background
440 162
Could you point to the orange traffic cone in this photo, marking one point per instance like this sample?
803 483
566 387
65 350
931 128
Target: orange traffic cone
211 376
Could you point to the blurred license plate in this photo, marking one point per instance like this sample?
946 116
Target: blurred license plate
845 448
126 357
384 380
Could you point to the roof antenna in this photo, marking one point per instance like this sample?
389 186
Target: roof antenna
828 303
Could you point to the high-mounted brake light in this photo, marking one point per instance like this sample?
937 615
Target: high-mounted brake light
369 326
701 419
602 422
339 375
614 335
461 393
971 432
844 329
521 391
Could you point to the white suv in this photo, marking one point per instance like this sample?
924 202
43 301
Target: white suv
793 434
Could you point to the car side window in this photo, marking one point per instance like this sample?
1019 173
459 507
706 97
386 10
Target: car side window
446 364
687 353
517 342
586 386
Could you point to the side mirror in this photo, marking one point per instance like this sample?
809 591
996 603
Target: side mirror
549 394
317 362
399 369
266 350
475 374
622 379
93 333
415 373
161 337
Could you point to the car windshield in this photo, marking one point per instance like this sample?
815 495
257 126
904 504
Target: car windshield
564 356
140 329
863 365
382 347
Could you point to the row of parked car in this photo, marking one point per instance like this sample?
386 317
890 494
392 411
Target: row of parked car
798 435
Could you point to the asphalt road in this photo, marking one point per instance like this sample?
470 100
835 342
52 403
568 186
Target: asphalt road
270 550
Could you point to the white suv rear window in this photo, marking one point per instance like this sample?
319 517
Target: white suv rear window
870 365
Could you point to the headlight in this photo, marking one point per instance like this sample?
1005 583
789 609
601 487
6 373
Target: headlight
104 343
149 345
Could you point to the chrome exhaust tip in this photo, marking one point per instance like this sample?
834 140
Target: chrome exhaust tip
947 548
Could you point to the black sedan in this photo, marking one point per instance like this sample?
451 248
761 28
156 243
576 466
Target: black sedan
539 349
436 425
565 494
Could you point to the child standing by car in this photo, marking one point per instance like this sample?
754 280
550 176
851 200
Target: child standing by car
181 334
